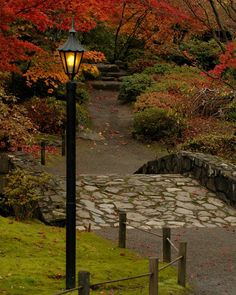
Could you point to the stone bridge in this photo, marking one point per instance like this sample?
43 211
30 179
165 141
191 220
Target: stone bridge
151 200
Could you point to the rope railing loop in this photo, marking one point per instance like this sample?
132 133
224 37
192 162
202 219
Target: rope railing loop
69 291
144 230
95 286
173 245
170 263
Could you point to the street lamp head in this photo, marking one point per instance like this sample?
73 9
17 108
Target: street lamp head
71 53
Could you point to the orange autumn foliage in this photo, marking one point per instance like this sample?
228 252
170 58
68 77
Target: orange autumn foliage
48 68
42 16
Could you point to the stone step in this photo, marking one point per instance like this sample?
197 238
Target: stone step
122 65
106 85
107 68
119 79
115 74
106 78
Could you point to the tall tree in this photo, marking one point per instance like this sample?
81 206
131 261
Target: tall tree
153 22
20 20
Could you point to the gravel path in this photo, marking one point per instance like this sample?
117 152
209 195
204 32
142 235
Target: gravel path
110 148
211 255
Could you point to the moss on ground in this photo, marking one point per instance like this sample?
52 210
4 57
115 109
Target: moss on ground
32 259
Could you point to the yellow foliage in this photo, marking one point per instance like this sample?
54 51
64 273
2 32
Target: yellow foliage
47 67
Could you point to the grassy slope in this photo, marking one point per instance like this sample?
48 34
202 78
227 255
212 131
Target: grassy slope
32 261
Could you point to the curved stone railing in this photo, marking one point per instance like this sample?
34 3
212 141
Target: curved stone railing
211 171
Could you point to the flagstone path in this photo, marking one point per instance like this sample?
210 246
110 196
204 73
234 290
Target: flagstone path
151 201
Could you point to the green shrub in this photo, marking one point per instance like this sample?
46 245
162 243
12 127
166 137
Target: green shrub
159 69
220 145
82 95
206 53
83 119
133 54
156 124
230 111
170 85
132 86
101 38
177 80
23 191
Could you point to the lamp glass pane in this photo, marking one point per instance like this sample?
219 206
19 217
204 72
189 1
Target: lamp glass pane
77 62
70 61
63 58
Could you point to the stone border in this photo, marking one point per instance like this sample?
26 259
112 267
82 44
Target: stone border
211 171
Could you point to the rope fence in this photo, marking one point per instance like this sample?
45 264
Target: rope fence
84 285
166 236
84 276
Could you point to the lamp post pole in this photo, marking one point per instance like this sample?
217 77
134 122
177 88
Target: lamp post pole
71 187
71 53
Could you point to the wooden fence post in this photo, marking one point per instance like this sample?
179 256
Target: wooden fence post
153 278
43 152
182 264
166 232
84 282
122 229
63 142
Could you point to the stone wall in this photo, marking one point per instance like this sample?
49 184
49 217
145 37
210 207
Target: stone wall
212 172
52 203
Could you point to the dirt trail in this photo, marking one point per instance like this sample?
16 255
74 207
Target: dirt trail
110 148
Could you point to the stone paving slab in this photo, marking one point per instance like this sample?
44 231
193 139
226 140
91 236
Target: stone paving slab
151 201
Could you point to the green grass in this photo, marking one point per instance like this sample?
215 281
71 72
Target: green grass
32 261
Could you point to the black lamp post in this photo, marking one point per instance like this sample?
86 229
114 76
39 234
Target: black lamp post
71 55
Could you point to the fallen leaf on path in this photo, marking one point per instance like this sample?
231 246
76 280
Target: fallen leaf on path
123 142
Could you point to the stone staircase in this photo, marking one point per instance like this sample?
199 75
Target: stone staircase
111 77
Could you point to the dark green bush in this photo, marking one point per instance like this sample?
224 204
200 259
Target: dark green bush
159 69
101 38
206 53
82 117
220 145
230 111
23 191
132 86
82 95
156 124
